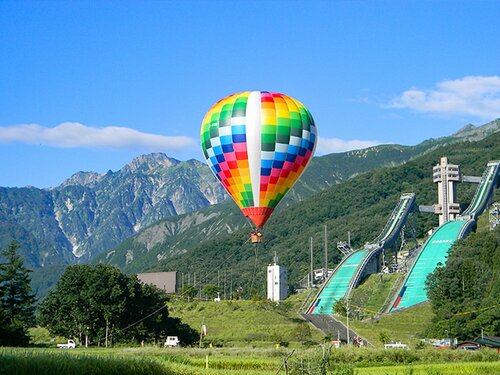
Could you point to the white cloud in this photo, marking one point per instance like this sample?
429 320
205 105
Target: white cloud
330 145
478 96
75 135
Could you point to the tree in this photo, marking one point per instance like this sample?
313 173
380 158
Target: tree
211 290
383 338
465 292
340 306
150 300
189 291
104 305
5 333
16 298
302 332
67 310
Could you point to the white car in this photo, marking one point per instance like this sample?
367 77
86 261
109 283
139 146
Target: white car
395 345
70 345
171 341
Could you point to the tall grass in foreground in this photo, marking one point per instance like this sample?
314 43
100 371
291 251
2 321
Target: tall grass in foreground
474 368
39 362
15 361
232 361
367 357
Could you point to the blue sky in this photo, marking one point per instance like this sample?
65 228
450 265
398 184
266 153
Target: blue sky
89 85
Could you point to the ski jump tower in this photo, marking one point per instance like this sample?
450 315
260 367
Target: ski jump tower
446 176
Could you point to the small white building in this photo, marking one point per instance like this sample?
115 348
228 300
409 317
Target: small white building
277 283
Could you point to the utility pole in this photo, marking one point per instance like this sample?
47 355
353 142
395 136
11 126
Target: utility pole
312 270
325 273
231 283
107 330
201 331
347 310
201 285
206 283
224 284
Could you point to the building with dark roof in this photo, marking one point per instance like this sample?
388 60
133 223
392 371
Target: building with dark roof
482 341
166 281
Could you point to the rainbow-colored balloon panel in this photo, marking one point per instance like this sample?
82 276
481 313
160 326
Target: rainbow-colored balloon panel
257 144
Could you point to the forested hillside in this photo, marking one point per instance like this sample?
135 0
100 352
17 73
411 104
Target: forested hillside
360 205
465 293
89 213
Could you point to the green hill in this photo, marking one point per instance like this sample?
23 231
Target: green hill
243 323
360 205
175 236
465 294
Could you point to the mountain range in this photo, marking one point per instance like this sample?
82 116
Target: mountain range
89 212
90 215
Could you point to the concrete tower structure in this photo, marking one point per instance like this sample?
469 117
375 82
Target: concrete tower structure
446 176
277 283
494 216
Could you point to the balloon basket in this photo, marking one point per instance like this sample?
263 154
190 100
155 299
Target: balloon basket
256 236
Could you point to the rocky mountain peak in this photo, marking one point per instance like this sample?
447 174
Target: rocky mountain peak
150 162
475 133
89 179
464 129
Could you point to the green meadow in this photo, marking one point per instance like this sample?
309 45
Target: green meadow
249 323
249 361
257 338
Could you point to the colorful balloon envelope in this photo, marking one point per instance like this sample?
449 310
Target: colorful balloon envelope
257 144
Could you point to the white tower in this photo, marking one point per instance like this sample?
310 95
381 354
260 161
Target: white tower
494 216
277 283
446 176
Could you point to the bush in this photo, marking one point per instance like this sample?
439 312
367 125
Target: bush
302 332
256 336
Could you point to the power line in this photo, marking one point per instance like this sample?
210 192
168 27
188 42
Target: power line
478 310
165 306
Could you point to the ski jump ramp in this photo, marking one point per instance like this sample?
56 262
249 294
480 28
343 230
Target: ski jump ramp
350 270
435 250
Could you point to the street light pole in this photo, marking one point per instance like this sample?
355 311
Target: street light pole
348 321
312 270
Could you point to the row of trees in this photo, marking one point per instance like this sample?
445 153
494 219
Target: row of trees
97 304
94 304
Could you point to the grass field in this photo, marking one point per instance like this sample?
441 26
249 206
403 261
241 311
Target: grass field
406 326
373 291
264 323
189 361
248 323
244 334
474 368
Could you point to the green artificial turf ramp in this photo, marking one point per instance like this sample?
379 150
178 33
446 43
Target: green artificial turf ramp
434 252
339 283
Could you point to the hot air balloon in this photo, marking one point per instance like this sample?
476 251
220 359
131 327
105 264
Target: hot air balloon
257 144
